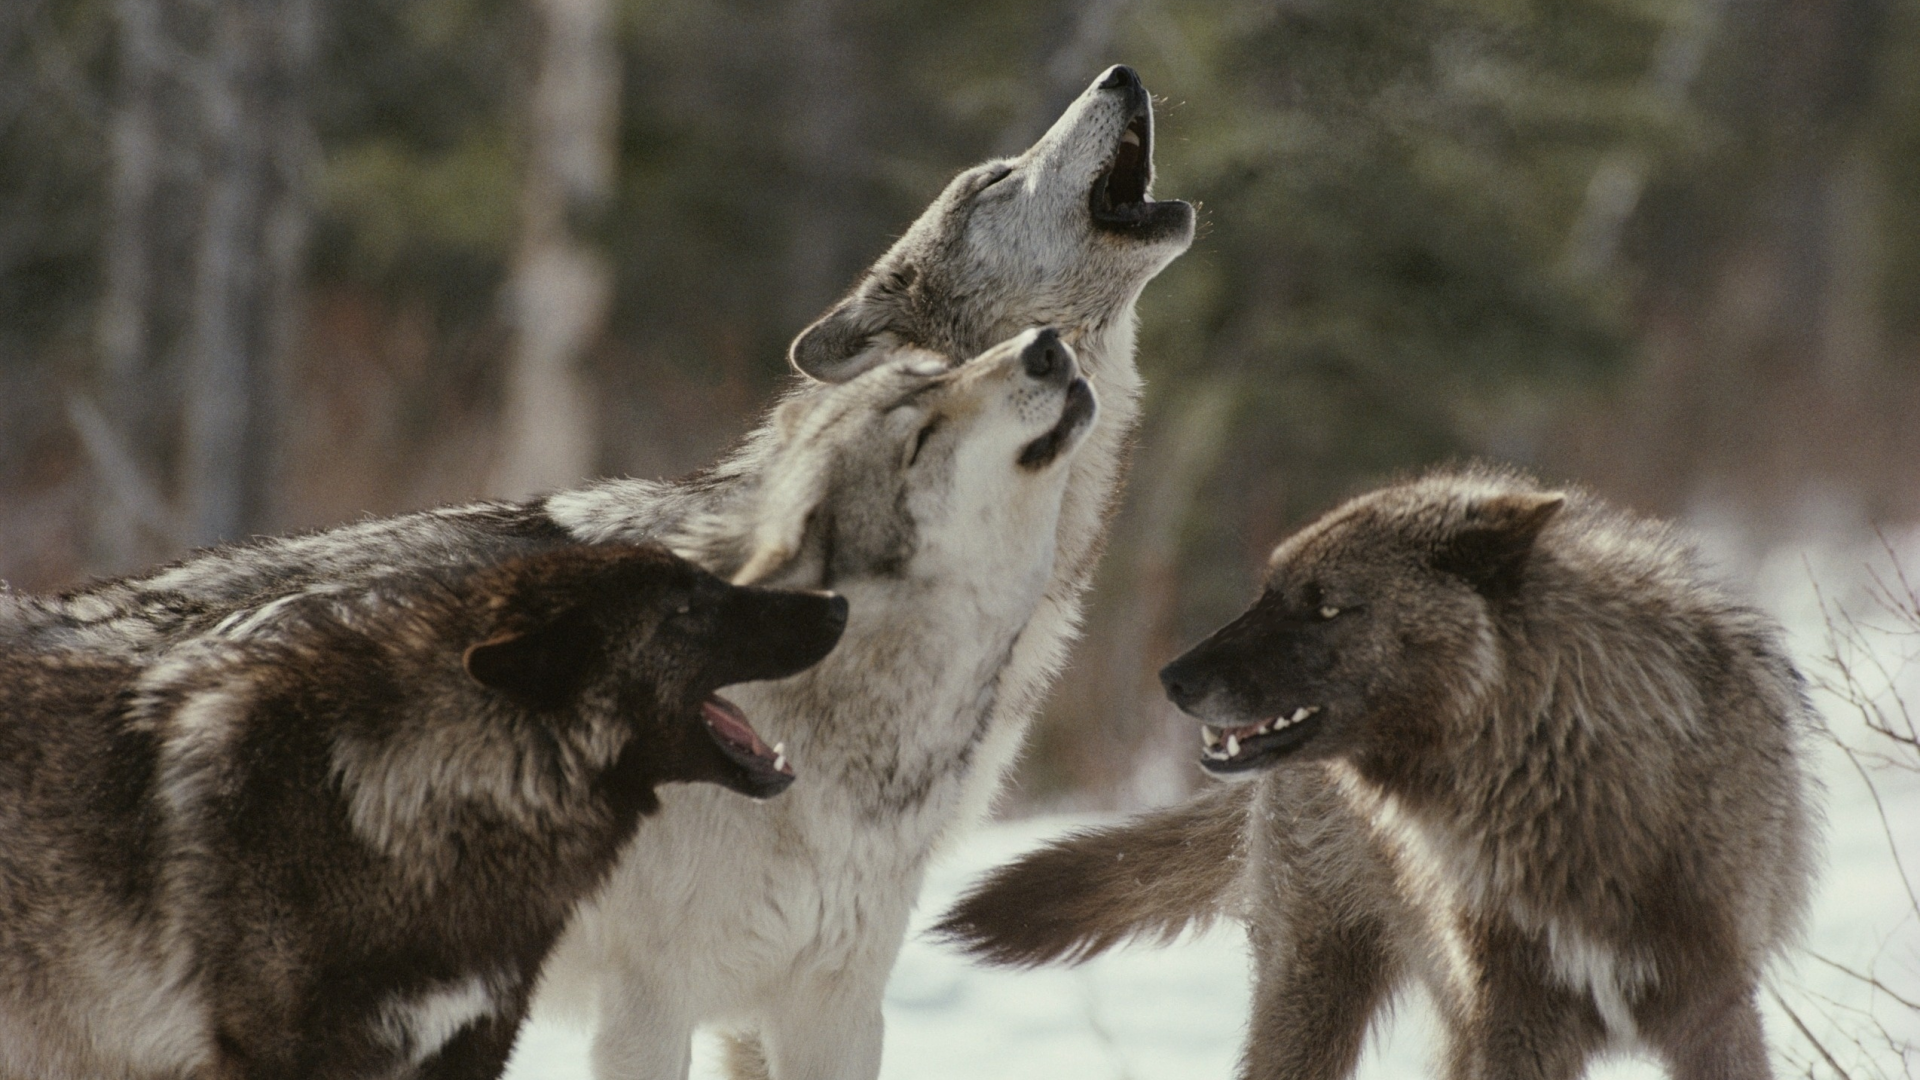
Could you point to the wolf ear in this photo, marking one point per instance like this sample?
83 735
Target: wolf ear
854 333
1490 545
846 341
788 501
543 667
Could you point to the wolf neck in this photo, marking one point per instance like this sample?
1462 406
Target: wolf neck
1107 356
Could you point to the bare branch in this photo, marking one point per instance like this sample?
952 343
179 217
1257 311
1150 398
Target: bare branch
1806 1032
1865 978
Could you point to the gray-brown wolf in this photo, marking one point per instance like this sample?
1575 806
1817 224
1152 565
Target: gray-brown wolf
1509 742
337 840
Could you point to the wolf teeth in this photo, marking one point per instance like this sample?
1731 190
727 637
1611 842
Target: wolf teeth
1209 737
779 763
1129 138
1233 746
779 749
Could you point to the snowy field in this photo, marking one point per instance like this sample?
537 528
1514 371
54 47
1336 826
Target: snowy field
1180 1011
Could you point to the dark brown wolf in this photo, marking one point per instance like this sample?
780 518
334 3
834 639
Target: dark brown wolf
1508 741
337 838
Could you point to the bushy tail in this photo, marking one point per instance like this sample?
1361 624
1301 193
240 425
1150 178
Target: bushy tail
1074 899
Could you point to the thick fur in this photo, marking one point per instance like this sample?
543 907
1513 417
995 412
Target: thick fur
1151 878
1544 766
911 497
1009 245
338 839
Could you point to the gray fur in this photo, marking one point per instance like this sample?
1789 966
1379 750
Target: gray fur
981 264
1545 767
338 839
944 546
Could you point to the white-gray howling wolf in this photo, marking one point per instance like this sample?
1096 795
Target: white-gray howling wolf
1064 235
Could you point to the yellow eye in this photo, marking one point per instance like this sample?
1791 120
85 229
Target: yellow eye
1329 612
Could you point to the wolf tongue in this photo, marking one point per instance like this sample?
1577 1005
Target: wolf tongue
727 721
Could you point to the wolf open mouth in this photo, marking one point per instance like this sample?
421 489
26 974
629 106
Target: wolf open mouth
1118 198
767 765
1074 415
1249 746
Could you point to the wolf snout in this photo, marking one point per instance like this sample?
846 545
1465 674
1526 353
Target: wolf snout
1184 686
1120 77
1198 687
1048 359
773 633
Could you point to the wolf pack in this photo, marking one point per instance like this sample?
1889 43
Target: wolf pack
352 804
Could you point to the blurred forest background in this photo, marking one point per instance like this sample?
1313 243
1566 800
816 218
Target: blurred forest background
276 264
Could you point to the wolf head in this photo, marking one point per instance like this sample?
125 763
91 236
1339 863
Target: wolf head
918 465
1064 235
640 637
1376 620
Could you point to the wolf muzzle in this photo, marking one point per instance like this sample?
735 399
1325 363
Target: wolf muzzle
774 633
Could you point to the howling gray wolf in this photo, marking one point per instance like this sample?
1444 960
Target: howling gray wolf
1509 742
1064 235
336 838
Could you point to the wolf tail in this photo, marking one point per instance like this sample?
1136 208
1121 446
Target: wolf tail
1150 877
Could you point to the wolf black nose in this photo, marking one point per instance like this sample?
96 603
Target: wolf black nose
1180 685
1118 76
1046 358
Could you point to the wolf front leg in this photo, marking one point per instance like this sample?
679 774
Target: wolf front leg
1522 1023
1715 1037
643 1034
827 1028
1315 997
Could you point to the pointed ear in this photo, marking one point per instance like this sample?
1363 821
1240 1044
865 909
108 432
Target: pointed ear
854 334
1490 545
543 666
788 501
846 341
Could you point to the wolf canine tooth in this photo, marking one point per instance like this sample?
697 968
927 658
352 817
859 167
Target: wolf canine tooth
1300 714
1209 737
1233 746
1130 138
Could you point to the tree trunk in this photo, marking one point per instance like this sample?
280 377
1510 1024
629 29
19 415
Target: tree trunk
560 286
210 146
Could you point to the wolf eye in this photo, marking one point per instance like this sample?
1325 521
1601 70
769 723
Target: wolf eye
920 441
1329 611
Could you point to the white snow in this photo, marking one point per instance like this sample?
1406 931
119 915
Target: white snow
1180 1011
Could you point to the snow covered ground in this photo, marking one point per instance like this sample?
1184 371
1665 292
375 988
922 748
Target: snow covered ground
1180 1011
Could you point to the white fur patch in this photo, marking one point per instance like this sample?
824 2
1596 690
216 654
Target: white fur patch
1444 879
1612 980
419 1026
246 623
194 745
